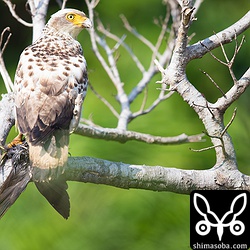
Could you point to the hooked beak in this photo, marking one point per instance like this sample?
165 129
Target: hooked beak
87 23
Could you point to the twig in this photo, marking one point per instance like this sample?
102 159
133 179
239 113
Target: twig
64 4
138 35
218 136
229 123
14 14
198 49
212 136
96 39
161 36
207 106
159 62
197 5
89 122
205 149
7 29
235 92
153 105
215 57
115 134
111 108
92 3
241 43
120 41
229 63
212 80
110 68
160 68
5 75
144 101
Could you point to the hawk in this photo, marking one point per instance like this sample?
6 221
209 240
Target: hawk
50 86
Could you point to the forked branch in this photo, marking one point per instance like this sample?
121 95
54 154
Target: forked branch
5 75
12 10
172 64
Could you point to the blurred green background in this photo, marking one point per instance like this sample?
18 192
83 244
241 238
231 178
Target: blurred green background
102 217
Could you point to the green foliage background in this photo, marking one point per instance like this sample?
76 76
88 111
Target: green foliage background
104 217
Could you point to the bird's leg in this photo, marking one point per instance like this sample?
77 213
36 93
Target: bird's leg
17 140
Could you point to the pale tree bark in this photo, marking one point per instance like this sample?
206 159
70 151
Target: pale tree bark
172 64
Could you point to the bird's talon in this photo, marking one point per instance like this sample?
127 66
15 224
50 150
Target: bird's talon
16 141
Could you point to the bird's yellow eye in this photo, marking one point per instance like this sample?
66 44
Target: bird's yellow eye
70 16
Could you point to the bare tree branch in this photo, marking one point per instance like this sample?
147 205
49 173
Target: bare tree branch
174 76
124 136
200 48
215 84
110 67
12 7
177 54
6 116
121 42
162 97
4 73
139 36
115 113
234 93
38 11
156 178
64 4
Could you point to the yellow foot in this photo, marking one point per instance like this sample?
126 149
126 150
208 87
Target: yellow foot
17 140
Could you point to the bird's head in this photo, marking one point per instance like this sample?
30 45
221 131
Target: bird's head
69 21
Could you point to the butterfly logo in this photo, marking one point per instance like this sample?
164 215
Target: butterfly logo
229 219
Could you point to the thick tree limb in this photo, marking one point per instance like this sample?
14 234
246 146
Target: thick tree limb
8 120
156 178
175 77
227 35
235 92
223 175
6 116
38 11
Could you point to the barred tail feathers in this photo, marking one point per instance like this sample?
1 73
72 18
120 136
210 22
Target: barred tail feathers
49 159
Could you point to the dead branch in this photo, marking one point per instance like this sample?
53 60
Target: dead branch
213 81
6 116
109 64
162 97
229 123
38 11
121 175
227 35
3 71
224 174
174 76
115 134
234 93
111 108
12 7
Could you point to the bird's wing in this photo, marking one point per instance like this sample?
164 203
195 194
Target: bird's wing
15 174
42 100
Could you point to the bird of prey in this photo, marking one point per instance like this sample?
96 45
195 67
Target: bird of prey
50 86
